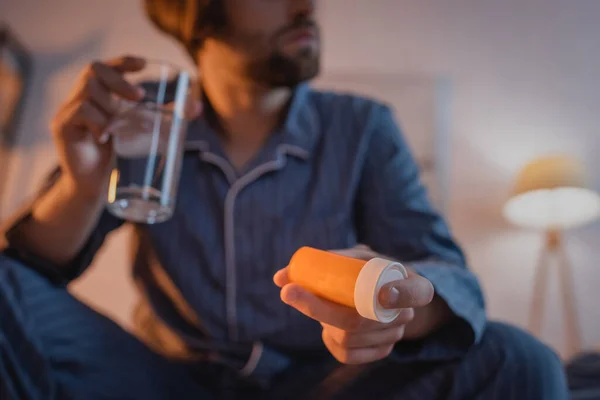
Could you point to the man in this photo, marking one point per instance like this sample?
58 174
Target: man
281 166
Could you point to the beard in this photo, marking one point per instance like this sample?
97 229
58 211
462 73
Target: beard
277 69
280 70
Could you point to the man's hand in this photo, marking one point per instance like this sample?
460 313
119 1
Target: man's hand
350 338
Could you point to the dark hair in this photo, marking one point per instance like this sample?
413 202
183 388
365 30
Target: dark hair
187 21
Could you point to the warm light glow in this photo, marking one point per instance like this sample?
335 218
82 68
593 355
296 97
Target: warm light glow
552 193
112 188
558 208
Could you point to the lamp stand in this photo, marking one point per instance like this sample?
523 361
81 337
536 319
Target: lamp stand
554 250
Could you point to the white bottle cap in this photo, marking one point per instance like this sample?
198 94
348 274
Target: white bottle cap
375 274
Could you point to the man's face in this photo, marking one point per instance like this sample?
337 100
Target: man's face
277 40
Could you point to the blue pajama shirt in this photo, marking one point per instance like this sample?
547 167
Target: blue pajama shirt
336 174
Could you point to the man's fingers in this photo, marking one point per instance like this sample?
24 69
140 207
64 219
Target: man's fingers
98 94
325 311
88 117
355 356
192 108
355 340
281 277
127 64
413 292
114 81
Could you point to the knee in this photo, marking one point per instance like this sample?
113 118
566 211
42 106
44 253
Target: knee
524 364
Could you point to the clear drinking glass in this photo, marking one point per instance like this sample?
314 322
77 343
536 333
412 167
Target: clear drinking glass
148 139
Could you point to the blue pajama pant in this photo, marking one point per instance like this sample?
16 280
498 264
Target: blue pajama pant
54 347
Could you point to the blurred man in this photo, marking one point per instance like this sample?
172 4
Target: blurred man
271 166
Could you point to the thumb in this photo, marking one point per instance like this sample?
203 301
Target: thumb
413 292
191 109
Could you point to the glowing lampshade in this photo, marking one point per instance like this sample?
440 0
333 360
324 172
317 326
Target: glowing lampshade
551 193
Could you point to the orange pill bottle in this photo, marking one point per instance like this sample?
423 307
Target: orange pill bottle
347 281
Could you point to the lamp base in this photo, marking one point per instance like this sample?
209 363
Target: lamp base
554 250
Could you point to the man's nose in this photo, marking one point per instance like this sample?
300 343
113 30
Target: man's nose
305 8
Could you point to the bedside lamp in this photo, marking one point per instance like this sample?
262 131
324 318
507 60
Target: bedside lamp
552 195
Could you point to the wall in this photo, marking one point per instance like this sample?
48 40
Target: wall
525 79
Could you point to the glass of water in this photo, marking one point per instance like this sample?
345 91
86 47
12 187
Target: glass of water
148 139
